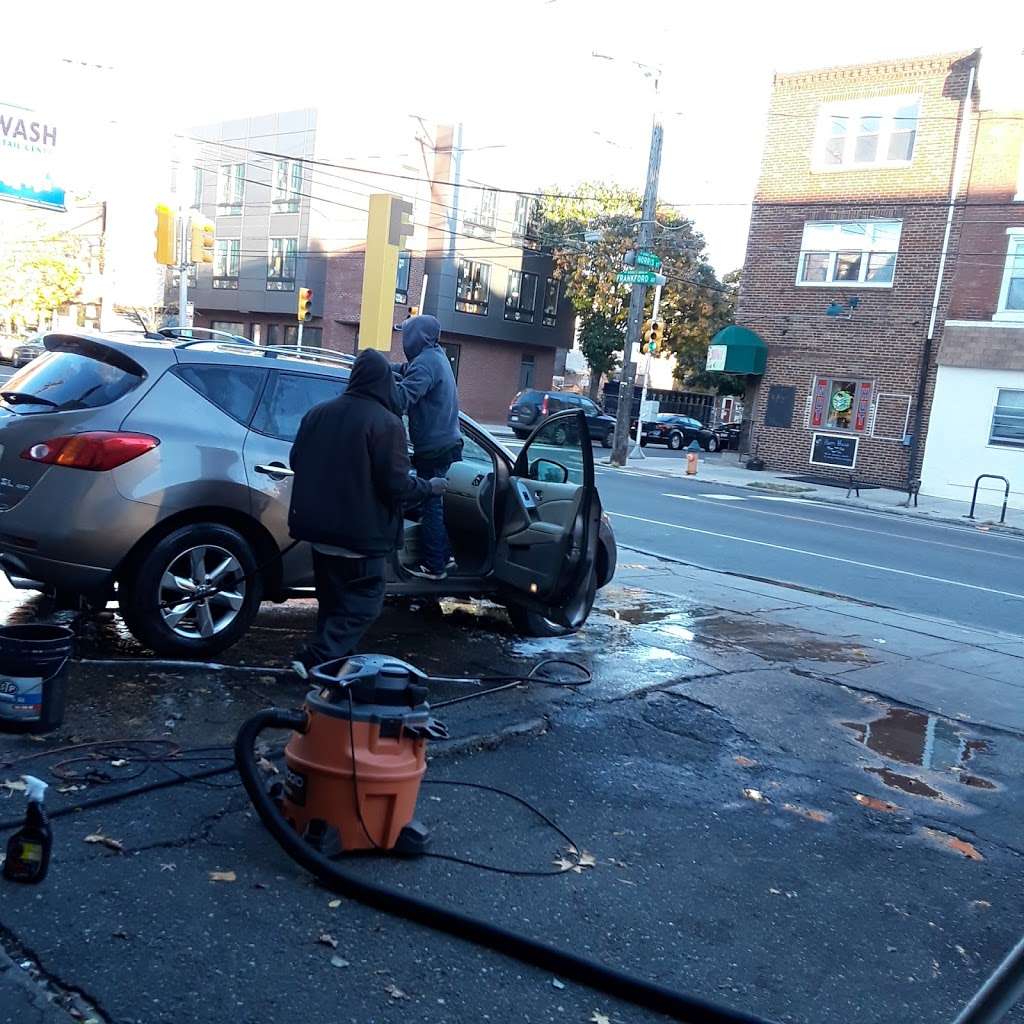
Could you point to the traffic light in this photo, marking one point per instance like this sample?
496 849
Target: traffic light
305 300
654 335
203 240
166 223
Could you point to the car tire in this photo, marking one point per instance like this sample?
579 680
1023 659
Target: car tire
609 438
675 442
530 623
712 445
521 434
643 442
142 591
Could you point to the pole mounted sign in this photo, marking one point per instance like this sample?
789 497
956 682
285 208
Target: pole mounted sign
648 260
28 159
388 226
648 277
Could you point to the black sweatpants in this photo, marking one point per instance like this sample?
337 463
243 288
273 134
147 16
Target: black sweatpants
350 595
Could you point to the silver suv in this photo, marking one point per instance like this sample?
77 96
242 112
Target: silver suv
155 469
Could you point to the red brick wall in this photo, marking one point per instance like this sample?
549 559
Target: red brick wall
991 209
882 341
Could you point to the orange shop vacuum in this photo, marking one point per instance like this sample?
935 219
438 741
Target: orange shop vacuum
354 762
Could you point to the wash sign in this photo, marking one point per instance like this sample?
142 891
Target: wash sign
29 155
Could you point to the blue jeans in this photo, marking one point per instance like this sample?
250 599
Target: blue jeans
435 547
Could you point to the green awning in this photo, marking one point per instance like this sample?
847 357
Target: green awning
735 349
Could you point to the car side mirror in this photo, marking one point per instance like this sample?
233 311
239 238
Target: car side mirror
548 472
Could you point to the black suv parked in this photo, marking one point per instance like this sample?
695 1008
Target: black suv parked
530 408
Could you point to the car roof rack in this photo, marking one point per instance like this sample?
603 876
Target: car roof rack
328 354
184 340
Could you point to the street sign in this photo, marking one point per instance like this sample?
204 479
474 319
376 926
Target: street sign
648 260
648 277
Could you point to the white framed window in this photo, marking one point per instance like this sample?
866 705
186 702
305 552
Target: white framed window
874 132
281 261
225 263
846 253
1011 292
287 186
230 189
1008 419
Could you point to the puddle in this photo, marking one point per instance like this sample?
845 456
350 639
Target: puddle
925 741
776 642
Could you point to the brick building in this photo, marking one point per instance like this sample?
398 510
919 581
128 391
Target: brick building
849 261
977 417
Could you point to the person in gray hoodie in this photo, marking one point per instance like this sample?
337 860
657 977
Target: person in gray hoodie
427 394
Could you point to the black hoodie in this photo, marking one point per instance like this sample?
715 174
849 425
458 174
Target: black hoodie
352 466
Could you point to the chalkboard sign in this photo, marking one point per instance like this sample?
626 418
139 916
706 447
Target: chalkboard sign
834 450
778 411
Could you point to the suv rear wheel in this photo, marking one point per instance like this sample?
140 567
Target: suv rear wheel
156 597
675 441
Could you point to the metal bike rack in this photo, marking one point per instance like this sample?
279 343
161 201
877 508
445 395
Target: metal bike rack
1006 493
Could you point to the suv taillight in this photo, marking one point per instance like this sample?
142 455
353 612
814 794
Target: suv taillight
95 450
544 406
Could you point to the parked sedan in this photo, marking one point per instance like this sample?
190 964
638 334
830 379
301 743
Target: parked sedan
27 350
678 432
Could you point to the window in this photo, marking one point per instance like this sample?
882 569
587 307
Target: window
67 381
473 451
841 404
472 289
521 297
230 189
526 368
591 408
287 186
402 278
550 317
283 334
233 389
1011 294
281 265
228 326
526 222
487 205
312 336
861 253
452 352
225 263
1008 419
197 188
867 133
288 398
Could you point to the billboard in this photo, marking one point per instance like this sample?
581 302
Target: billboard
28 158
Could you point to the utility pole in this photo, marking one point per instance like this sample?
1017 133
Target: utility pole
185 252
621 444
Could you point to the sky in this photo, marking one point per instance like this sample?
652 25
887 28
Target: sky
521 78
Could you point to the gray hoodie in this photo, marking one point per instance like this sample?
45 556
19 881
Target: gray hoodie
426 388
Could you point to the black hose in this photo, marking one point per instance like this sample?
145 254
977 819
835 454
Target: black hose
615 983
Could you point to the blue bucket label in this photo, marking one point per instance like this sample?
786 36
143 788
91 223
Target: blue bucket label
20 697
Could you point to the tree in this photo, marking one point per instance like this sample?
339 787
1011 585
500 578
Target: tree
601 342
695 305
38 277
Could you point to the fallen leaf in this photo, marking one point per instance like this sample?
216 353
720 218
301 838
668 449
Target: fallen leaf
327 940
565 865
557 984
756 795
981 904
745 762
334 904
600 1018
807 812
267 767
395 992
223 876
119 763
338 961
961 846
15 785
111 844
586 860
875 804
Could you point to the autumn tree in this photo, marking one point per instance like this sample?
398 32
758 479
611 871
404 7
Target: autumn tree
37 277
601 342
590 231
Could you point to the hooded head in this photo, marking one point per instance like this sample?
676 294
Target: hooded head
418 333
371 377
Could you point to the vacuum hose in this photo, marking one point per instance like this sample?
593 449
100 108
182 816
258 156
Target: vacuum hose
549 958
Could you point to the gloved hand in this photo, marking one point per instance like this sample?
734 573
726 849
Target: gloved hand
438 485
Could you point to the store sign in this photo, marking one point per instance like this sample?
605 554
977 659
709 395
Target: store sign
863 406
716 358
834 450
820 401
28 158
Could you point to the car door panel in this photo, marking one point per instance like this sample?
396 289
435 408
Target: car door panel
546 549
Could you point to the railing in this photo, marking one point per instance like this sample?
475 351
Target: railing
1006 493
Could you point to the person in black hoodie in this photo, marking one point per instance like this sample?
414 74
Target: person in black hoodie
352 479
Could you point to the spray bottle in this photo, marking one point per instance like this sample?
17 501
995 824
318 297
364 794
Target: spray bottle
28 850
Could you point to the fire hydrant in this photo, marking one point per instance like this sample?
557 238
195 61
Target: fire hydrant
691 463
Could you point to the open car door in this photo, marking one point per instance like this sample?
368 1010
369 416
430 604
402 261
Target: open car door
547 539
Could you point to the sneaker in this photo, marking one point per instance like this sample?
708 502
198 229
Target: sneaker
451 565
426 574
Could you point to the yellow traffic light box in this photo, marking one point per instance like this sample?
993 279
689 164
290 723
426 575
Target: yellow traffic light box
203 240
303 311
166 225
388 226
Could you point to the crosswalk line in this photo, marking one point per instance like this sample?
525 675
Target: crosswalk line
681 497
725 497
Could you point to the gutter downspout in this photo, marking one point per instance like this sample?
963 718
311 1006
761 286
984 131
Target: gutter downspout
954 188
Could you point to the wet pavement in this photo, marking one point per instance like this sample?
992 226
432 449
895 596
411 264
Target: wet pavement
794 804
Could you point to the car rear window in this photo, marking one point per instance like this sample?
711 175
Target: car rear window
233 389
526 398
62 381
